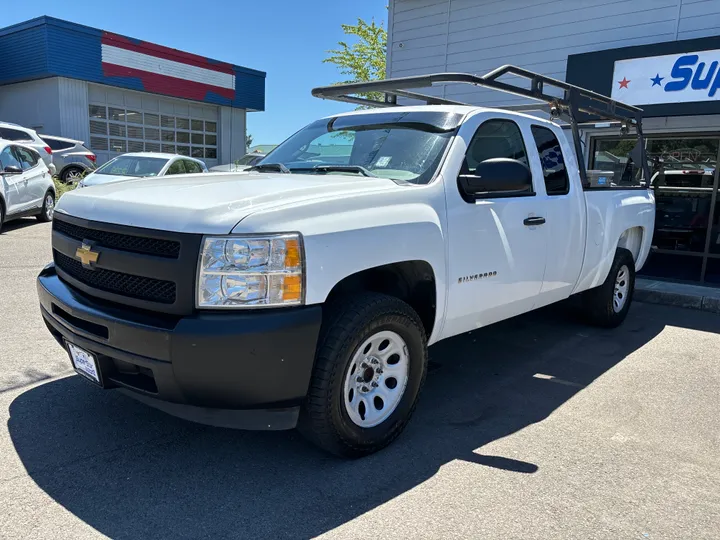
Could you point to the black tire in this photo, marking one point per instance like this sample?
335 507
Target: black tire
599 303
2 215
347 324
65 176
46 213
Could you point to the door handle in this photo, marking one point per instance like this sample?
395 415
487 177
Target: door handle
533 221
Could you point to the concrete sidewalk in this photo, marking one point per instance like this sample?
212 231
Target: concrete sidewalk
677 294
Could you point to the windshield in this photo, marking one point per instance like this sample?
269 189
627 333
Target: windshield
133 166
248 159
395 147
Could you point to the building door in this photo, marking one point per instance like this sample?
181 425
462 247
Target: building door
686 239
126 121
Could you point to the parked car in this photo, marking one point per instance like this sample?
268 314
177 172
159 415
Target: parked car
72 159
29 137
248 160
26 186
142 165
306 293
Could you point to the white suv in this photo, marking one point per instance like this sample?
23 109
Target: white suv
26 186
29 137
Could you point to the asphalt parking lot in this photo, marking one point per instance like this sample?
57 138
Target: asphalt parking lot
539 427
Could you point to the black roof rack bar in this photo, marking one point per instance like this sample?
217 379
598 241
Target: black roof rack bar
575 100
589 102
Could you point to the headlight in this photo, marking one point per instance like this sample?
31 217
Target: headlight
237 272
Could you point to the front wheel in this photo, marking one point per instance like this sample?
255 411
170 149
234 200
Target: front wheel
608 304
369 369
72 175
48 209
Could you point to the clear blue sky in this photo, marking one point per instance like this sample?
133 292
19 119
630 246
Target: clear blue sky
285 38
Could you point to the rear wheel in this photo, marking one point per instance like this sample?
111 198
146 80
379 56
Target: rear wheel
608 304
369 369
2 215
72 175
48 208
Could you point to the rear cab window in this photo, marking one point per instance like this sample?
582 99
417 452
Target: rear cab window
552 161
612 165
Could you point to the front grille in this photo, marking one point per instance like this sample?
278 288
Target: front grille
144 288
124 242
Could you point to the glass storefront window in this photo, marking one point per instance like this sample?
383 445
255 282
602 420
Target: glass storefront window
683 178
712 273
715 230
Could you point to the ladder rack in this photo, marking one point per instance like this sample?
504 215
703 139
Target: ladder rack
574 100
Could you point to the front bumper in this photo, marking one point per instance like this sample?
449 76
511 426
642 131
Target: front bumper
248 370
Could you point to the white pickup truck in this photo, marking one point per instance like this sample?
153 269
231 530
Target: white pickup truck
305 292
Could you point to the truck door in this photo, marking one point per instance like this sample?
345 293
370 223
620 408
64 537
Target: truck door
14 186
34 172
497 243
564 212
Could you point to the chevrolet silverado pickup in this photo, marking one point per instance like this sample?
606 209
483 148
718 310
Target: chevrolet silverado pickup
305 291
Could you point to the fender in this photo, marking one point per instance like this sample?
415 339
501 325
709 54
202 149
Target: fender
610 213
364 232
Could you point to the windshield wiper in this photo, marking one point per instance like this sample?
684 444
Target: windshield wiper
337 168
270 167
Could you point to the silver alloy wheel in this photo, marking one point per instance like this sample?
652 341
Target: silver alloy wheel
73 175
376 379
49 206
622 285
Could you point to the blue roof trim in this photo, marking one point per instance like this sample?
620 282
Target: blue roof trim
46 47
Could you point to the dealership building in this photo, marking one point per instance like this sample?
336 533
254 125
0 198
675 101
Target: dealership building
119 94
661 55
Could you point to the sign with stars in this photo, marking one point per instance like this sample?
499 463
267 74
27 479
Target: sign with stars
673 78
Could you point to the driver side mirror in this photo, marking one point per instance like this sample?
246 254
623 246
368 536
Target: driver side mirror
11 169
495 178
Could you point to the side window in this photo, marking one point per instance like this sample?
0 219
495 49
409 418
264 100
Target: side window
8 159
552 160
192 166
54 144
14 135
176 168
28 159
508 175
495 139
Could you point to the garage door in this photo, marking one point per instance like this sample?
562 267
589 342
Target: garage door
125 121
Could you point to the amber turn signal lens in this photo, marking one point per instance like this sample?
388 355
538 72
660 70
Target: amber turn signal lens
292 288
292 253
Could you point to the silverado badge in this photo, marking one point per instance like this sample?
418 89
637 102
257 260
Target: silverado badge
87 256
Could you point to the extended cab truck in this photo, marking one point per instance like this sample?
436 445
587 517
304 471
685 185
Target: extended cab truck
306 293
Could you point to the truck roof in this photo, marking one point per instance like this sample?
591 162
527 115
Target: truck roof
458 109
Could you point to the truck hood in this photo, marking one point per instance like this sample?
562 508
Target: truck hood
207 204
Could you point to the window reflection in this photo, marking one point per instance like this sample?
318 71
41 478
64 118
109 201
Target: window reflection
683 178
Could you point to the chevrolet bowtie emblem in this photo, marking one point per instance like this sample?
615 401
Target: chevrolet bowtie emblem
87 256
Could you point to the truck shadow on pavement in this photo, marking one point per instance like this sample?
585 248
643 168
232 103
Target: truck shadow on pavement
132 472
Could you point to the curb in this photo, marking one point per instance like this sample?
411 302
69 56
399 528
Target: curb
678 295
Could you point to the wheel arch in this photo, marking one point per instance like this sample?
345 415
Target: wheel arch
412 281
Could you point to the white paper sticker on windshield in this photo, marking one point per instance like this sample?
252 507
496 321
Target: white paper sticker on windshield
383 161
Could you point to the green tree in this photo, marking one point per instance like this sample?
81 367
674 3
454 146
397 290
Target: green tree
248 141
363 60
